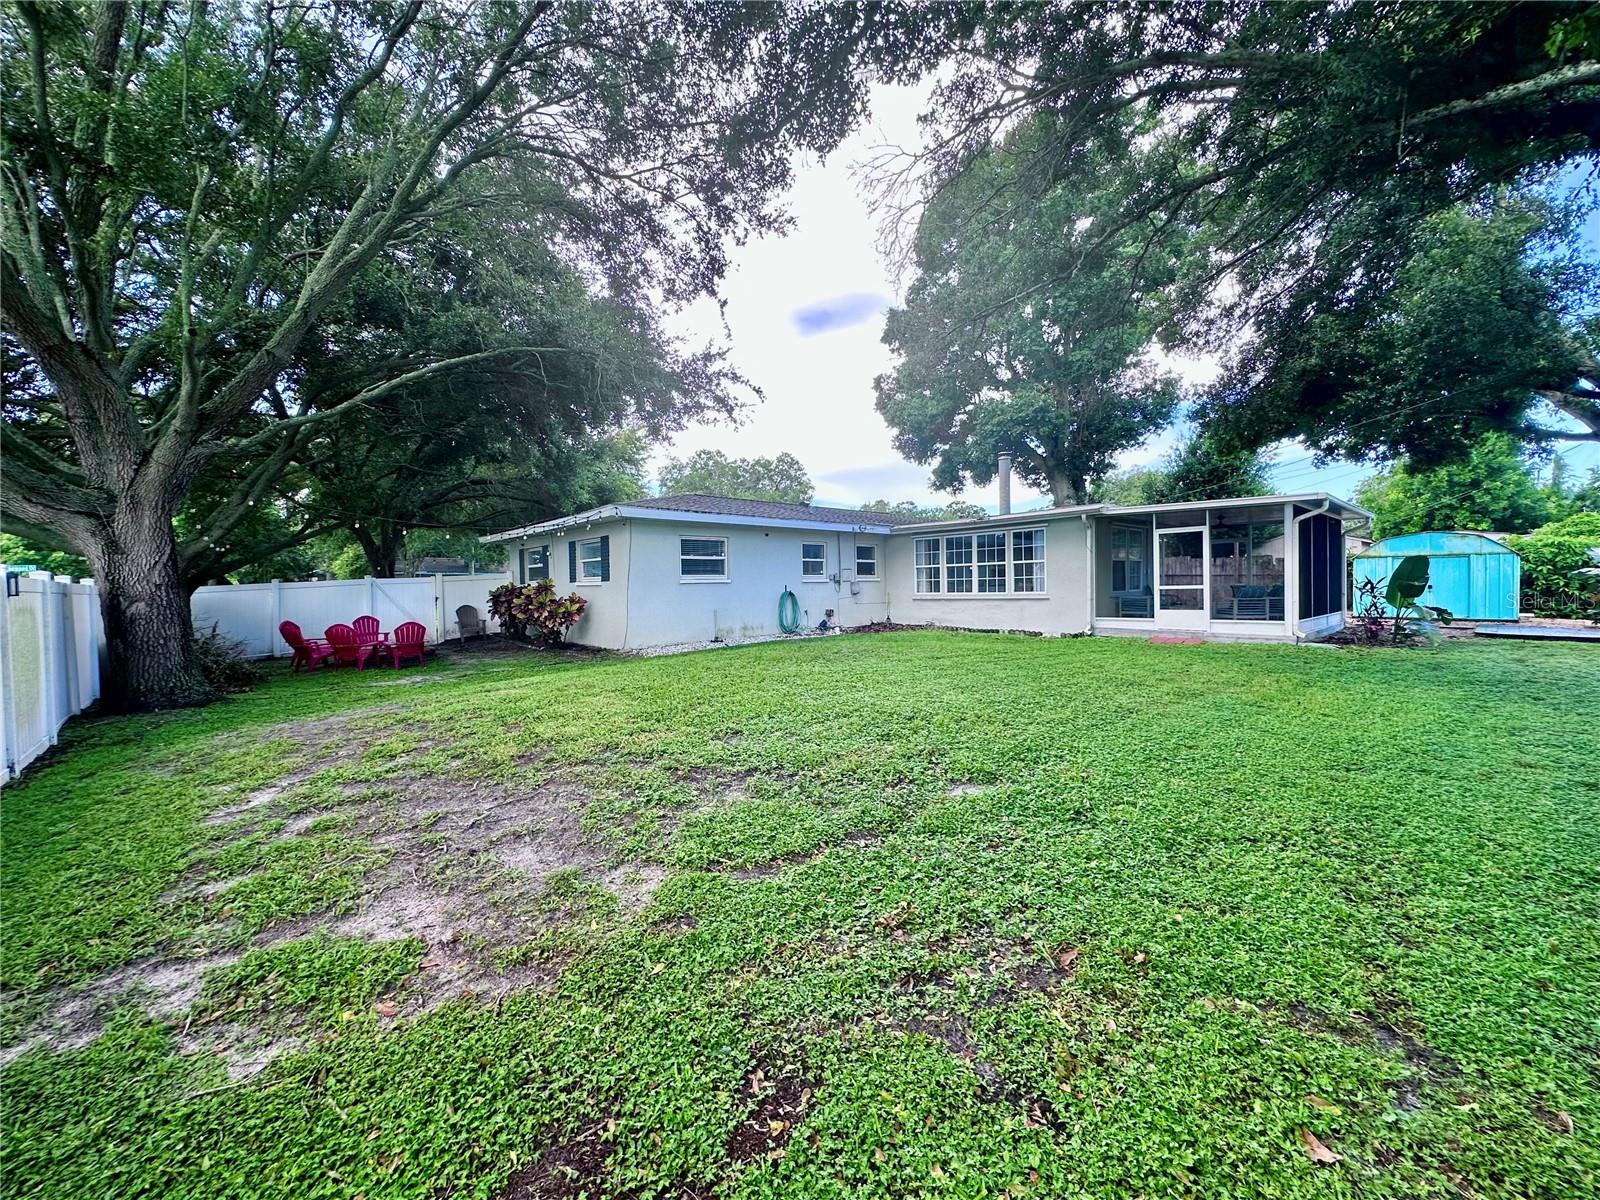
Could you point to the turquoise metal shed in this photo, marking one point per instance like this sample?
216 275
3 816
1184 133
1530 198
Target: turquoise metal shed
1471 574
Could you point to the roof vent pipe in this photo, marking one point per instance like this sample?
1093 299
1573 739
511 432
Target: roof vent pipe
1005 482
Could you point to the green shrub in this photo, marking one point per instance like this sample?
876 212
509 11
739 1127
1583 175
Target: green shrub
1550 555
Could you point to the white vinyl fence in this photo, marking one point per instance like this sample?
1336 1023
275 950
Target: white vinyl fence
250 612
51 641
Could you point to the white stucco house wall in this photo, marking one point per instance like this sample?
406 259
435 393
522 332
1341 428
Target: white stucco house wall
677 569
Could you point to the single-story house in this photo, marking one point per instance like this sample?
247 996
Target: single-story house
676 569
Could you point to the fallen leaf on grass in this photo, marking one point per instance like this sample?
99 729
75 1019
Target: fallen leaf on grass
879 1156
1319 1102
936 1171
1316 1151
1563 1122
1066 956
386 1008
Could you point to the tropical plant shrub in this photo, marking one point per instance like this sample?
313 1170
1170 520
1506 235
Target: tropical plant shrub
533 610
1551 555
1399 594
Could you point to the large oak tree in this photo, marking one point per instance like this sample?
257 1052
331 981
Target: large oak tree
188 190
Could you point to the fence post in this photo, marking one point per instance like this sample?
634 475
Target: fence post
439 624
8 734
97 633
368 608
274 616
49 662
69 646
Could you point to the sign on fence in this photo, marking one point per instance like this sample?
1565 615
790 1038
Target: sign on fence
50 647
250 613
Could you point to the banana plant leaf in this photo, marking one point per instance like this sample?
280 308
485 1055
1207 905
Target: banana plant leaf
1409 581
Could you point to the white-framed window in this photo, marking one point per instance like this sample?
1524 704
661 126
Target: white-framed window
991 562
703 559
1027 560
1127 558
591 561
813 560
958 563
866 562
927 565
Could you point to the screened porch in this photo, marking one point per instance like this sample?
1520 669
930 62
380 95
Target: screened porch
1223 568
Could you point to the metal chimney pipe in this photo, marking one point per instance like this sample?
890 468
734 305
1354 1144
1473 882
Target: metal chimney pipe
1005 482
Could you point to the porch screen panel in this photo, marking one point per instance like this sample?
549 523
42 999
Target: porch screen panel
1321 544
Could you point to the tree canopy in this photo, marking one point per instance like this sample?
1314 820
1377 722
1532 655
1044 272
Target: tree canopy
1303 143
956 510
1000 346
191 191
1493 489
1494 311
1196 469
712 473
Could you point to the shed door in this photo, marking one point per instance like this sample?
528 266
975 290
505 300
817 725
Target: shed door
1450 584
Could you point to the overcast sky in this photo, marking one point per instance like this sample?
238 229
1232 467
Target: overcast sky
804 313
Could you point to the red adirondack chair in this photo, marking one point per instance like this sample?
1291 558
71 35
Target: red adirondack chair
410 640
308 652
368 634
348 650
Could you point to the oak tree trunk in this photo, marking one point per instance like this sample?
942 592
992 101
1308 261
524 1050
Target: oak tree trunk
149 633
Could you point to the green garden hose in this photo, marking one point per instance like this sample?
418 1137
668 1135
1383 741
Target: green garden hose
788 611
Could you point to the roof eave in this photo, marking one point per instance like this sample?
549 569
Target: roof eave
612 512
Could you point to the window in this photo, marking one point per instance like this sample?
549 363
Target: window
1127 559
1027 560
536 563
703 558
991 562
866 562
985 563
958 563
927 565
591 561
813 560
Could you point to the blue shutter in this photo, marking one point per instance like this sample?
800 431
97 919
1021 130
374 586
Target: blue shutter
605 558
522 564
572 562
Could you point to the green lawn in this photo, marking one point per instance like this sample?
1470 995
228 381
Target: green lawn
907 914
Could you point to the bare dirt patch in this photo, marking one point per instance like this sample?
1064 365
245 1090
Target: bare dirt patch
467 877
569 1169
782 1096
165 987
470 872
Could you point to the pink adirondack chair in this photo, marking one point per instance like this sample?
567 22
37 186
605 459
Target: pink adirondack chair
410 640
348 650
309 653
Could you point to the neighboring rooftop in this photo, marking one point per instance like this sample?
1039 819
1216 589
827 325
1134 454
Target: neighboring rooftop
772 510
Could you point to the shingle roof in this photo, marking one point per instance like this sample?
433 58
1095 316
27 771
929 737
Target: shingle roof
772 510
